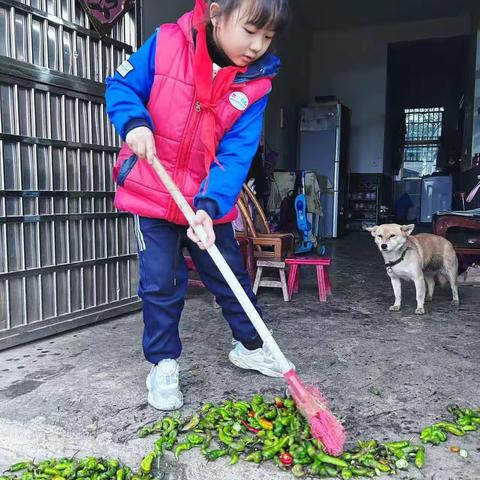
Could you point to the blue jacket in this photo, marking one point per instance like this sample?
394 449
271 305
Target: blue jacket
127 95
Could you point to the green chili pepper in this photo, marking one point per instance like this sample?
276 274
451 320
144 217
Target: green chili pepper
362 472
289 404
323 457
159 446
84 472
27 476
64 465
120 475
195 439
191 424
401 444
433 435
243 407
171 439
147 463
275 448
213 455
370 461
168 424
237 446
450 428
234 458
206 443
330 470
270 414
469 428
145 431
206 407
464 420
311 451
420 457
346 474
52 471
297 471
255 457
257 399
223 437
19 466
182 447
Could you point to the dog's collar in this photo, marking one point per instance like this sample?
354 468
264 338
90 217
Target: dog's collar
390 265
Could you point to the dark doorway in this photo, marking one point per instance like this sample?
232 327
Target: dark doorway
425 76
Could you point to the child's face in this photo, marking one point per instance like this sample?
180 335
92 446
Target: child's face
242 42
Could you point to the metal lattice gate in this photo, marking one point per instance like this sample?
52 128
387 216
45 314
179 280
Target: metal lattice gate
67 257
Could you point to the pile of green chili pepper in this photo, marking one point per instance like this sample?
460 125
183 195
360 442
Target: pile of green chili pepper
466 420
87 468
258 431
255 431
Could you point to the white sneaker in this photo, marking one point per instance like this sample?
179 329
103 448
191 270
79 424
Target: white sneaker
260 359
163 388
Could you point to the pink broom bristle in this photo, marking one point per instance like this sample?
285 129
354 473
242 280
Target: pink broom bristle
327 429
314 406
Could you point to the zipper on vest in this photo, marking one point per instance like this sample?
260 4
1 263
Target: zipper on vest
190 131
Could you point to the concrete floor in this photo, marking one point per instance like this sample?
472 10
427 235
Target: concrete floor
84 391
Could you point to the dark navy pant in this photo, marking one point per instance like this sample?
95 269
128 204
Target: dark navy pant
164 278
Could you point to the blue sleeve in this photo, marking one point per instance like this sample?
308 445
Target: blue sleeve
128 91
235 154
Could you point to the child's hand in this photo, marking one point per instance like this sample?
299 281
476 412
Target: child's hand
202 218
141 142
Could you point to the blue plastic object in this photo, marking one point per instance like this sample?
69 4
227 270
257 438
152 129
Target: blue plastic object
305 245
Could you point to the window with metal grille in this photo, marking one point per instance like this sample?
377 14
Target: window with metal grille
423 127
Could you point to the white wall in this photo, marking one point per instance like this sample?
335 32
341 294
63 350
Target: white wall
290 91
352 64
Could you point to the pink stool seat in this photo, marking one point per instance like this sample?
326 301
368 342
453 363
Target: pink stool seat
323 279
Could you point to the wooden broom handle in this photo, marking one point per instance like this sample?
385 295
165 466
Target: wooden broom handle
224 268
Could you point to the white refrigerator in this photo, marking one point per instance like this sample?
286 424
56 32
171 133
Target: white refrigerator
323 148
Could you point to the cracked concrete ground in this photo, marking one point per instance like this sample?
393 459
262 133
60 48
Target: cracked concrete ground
84 391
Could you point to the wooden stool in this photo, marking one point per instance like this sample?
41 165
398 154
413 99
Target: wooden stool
280 266
323 279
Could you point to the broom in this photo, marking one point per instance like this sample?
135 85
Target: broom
313 405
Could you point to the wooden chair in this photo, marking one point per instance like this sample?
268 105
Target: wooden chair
266 245
269 249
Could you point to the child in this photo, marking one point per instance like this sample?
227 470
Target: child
193 95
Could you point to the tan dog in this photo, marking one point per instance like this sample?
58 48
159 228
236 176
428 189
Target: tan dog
421 258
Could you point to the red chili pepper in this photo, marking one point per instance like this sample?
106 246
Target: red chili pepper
249 427
286 459
251 413
278 402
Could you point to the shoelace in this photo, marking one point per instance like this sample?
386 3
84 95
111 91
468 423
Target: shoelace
168 378
265 349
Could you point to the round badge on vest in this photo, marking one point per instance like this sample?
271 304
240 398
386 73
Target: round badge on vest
239 100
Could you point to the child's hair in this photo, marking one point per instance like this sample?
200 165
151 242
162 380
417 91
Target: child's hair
269 14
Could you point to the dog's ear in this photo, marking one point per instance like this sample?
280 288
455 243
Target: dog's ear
372 230
408 229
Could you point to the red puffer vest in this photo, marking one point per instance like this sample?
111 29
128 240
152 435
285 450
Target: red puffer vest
177 118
